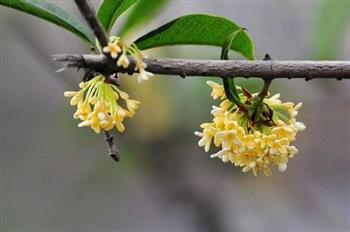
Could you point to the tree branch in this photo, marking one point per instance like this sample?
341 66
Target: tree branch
90 16
233 68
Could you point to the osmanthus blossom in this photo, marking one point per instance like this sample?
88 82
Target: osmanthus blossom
98 105
98 101
254 141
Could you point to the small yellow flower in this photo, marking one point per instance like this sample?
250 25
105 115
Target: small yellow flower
76 99
83 111
254 145
207 136
132 105
70 93
119 118
228 138
144 75
113 49
218 90
123 61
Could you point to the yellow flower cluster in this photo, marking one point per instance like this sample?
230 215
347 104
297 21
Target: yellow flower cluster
97 105
119 50
254 146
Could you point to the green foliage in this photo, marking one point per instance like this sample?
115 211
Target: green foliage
198 29
110 10
333 19
53 14
143 12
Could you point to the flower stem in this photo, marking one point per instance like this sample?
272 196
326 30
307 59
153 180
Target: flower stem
231 93
267 82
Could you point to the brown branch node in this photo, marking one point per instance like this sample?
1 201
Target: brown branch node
111 145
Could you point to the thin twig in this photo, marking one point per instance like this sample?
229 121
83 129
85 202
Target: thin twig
90 16
267 82
264 92
218 68
112 148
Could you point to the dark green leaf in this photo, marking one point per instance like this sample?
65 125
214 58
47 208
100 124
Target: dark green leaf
140 16
53 14
198 29
110 10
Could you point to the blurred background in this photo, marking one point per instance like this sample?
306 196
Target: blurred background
58 177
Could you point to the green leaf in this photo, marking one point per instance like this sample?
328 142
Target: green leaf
110 10
198 29
53 14
139 15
